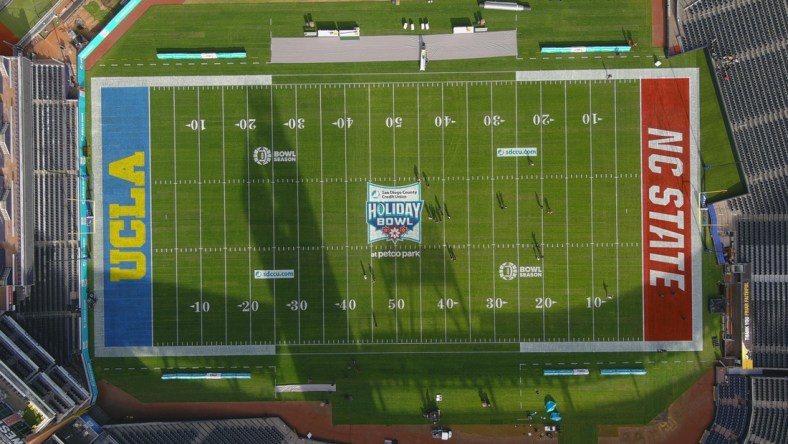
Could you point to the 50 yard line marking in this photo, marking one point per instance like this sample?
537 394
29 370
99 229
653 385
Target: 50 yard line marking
394 162
371 281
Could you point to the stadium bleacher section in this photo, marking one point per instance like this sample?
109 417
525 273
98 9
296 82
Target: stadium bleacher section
39 328
252 430
747 44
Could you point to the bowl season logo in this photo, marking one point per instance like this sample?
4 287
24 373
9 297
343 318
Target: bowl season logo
508 271
394 213
262 155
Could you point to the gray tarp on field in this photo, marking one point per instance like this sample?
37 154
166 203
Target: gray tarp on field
293 388
393 48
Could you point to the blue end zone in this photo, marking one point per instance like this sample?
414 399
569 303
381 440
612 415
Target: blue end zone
127 285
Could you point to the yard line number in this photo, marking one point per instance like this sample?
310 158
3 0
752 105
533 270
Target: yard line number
246 124
343 122
591 119
544 303
247 306
495 303
447 303
349 304
493 120
196 125
396 304
542 119
296 305
594 302
201 307
443 121
394 122
294 123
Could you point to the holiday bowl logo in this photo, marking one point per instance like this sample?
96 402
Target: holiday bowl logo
394 213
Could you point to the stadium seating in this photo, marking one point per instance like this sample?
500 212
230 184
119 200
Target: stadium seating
730 415
231 431
770 411
748 46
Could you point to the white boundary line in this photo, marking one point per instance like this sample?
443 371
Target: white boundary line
224 222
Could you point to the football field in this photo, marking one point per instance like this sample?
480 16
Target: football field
234 215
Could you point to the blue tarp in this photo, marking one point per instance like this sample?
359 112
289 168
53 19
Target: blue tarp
550 406
715 236
555 416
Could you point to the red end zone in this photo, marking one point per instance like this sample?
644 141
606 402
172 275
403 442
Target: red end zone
667 201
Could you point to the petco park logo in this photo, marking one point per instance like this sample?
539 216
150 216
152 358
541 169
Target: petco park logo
508 271
262 155
394 213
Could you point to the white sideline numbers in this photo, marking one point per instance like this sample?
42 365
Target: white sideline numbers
591 119
493 120
343 122
447 303
196 125
394 122
595 302
201 307
544 303
296 305
543 119
294 123
396 304
246 124
247 306
349 304
443 121
495 303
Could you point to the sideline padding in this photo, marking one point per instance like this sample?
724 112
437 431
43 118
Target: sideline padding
394 48
667 209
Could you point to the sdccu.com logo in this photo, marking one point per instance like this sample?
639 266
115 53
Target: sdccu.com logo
508 271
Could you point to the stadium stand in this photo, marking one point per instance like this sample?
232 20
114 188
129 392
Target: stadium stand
40 314
747 46
229 431
769 421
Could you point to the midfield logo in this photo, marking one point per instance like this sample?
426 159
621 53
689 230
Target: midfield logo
509 271
394 213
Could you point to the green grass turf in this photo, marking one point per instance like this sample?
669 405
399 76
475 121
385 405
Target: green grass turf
21 15
391 388
317 205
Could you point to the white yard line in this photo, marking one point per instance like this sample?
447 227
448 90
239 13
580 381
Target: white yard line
591 189
322 214
492 190
175 208
394 163
541 191
273 205
199 210
615 174
443 222
224 221
369 246
418 167
249 219
347 235
517 201
298 217
642 240
566 212
468 207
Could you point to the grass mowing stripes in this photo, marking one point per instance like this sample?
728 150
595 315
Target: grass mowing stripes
570 213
